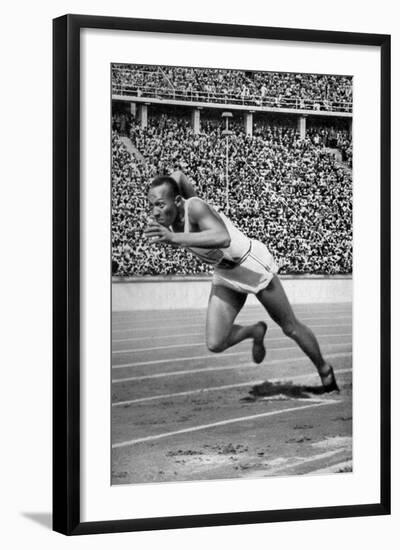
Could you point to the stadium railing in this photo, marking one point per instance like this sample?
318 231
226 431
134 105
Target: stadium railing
230 98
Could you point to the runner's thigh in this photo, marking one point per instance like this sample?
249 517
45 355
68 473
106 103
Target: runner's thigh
275 301
223 306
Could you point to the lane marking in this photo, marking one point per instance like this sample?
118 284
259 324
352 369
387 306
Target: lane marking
188 313
163 336
332 469
173 346
152 336
323 306
208 356
155 326
287 466
219 388
184 325
227 367
202 315
221 423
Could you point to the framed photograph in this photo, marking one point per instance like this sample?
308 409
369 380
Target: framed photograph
221 274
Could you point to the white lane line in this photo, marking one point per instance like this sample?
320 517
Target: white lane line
170 325
184 325
289 465
333 468
328 307
173 346
207 356
219 388
228 367
202 313
137 323
222 423
162 336
169 336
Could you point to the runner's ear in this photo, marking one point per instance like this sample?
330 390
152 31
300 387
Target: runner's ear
178 200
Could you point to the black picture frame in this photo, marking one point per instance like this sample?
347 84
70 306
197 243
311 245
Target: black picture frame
66 273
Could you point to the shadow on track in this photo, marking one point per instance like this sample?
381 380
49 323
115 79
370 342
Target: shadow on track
283 390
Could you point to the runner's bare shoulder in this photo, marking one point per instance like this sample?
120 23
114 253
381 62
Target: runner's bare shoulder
202 214
185 185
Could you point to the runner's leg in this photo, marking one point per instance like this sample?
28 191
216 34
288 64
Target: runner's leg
275 301
221 332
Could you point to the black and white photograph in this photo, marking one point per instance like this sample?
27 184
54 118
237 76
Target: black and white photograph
199 285
232 262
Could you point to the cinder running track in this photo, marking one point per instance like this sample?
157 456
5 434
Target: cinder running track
180 412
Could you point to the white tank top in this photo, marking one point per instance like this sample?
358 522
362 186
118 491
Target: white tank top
239 246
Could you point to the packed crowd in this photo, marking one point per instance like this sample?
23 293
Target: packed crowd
336 136
283 191
302 91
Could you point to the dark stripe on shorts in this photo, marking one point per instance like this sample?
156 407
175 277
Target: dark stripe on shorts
261 264
245 255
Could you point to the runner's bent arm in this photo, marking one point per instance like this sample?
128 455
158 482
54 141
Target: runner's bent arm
212 231
212 234
185 185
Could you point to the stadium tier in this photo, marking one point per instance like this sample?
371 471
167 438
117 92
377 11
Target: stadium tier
294 195
313 92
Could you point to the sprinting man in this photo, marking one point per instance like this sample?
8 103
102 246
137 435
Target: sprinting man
242 266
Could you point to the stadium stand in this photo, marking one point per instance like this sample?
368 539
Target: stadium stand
264 89
292 194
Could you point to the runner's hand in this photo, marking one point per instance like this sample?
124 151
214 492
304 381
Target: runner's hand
157 233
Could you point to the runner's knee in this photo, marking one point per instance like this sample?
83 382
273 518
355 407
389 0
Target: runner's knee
215 346
290 328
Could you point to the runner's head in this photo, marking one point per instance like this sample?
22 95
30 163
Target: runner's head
165 200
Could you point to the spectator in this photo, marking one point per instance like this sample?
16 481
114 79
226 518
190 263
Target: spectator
283 191
305 91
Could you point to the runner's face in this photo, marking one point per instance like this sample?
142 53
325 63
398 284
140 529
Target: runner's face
163 205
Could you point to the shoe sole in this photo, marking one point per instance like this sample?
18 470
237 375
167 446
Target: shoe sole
259 351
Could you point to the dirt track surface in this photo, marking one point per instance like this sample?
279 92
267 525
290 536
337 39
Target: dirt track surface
182 413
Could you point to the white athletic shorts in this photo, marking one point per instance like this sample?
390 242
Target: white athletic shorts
251 276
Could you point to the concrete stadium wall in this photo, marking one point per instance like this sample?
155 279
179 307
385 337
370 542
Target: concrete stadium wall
228 106
144 293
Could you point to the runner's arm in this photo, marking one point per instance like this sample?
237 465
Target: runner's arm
212 231
186 186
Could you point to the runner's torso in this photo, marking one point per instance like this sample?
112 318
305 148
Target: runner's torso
233 254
